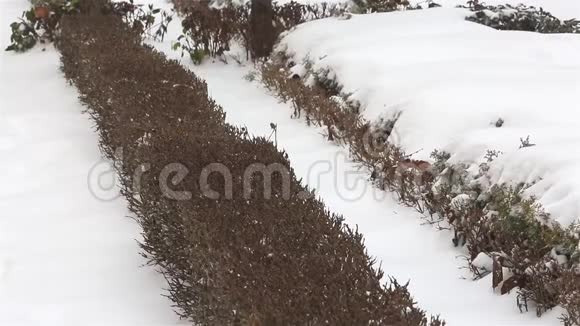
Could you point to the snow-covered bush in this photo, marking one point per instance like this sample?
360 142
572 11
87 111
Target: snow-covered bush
501 220
370 6
520 18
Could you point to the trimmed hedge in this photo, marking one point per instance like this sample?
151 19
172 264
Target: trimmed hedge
244 260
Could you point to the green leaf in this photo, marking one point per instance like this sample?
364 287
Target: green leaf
156 11
11 47
30 16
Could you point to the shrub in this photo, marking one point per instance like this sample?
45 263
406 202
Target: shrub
520 18
41 23
371 6
143 19
211 31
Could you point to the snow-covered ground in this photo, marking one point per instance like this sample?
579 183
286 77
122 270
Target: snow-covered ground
66 257
394 234
452 80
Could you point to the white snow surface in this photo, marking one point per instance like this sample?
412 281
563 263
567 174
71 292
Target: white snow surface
452 80
394 234
66 258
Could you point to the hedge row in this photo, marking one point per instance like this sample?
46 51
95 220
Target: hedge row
229 258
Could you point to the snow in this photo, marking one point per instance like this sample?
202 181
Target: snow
452 80
394 234
66 257
461 202
483 261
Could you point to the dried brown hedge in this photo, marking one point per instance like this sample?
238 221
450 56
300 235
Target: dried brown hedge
238 261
